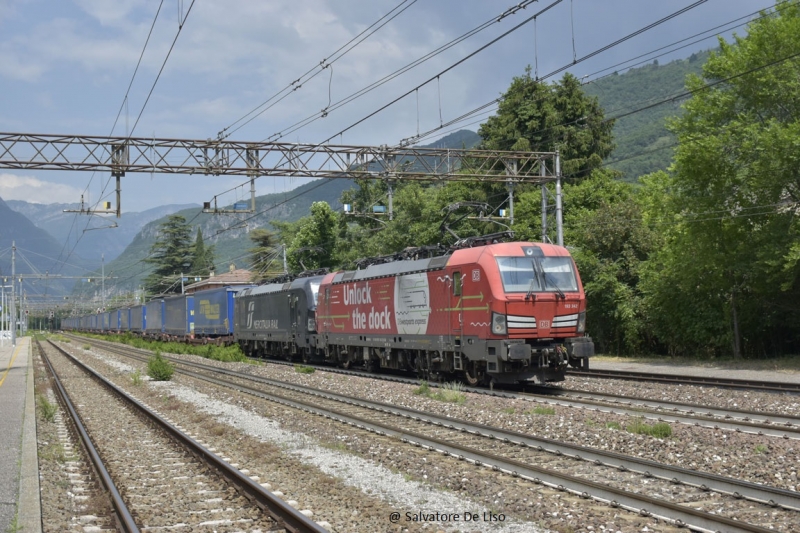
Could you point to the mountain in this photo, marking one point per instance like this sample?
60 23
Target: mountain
227 232
643 144
102 241
37 252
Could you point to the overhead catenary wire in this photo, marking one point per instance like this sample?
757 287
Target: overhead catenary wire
130 133
547 8
314 71
666 50
508 12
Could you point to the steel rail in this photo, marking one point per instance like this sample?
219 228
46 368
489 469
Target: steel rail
755 418
287 516
123 515
768 386
756 492
756 423
763 494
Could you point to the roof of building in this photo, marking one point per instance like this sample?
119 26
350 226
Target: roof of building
240 276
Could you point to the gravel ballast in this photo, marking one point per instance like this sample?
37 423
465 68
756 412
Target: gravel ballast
320 445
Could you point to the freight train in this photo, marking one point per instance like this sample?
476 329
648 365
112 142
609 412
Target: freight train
489 313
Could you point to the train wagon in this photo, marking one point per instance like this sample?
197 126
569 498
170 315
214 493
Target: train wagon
213 312
503 313
179 316
277 319
138 319
154 326
125 319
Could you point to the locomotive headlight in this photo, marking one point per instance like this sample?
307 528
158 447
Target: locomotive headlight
499 324
582 322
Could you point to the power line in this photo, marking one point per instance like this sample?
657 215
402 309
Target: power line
325 63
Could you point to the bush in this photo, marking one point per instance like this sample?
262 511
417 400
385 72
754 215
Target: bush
159 369
87 346
136 378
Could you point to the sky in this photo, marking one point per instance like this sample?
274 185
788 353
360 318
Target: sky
66 67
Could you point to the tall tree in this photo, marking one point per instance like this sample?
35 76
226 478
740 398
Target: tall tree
266 259
203 257
314 244
171 254
728 274
540 117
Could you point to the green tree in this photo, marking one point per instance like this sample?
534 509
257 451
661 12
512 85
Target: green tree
726 279
203 257
315 239
539 117
171 254
266 259
604 226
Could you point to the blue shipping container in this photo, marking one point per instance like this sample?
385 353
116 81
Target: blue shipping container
179 315
155 317
125 319
138 318
214 311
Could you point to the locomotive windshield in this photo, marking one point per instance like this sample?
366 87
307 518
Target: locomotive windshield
537 274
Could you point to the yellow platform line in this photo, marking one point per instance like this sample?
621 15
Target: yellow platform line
10 363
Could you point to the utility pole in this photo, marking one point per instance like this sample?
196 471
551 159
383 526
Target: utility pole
559 218
13 309
103 278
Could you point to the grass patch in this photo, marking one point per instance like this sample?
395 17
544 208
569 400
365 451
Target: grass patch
87 346
541 410
304 369
659 430
613 425
159 369
13 526
226 354
509 410
761 448
136 377
53 452
448 392
46 409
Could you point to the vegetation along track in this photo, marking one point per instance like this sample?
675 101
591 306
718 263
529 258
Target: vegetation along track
766 386
158 476
602 475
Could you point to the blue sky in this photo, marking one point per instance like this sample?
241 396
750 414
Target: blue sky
65 67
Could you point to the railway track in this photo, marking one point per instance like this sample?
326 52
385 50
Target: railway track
156 475
737 420
566 467
766 386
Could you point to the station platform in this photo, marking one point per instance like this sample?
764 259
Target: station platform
20 507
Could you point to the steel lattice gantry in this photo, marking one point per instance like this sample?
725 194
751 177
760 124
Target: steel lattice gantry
120 155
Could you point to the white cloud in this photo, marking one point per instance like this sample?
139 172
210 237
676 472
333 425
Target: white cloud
36 191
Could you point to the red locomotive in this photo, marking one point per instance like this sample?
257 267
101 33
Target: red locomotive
501 313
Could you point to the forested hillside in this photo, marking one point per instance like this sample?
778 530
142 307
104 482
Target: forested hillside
643 143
